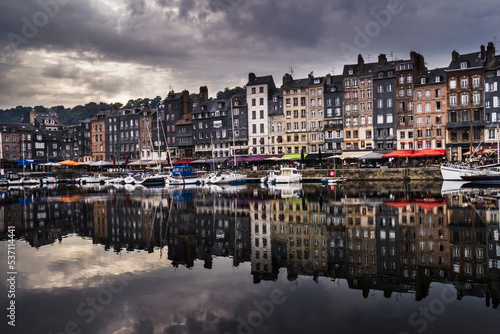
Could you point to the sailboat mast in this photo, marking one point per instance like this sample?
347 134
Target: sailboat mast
158 140
232 124
498 145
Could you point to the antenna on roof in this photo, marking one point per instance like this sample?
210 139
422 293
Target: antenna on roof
291 71
368 56
392 56
170 88
333 70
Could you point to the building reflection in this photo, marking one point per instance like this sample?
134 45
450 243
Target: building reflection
393 242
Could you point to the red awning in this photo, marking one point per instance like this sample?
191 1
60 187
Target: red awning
399 203
429 204
398 154
427 152
183 161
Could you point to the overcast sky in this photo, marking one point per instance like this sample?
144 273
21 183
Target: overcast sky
70 52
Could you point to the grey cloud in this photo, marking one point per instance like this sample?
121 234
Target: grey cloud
136 7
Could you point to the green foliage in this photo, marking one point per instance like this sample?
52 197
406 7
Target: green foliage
70 116
225 94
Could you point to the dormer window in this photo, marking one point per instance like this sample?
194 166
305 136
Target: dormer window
422 81
438 78
316 81
463 64
351 71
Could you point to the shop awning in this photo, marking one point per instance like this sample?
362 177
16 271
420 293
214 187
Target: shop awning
427 152
183 161
371 156
293 157
398 154
354 154
209 160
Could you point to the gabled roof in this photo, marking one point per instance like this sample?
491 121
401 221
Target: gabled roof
268 79
430 77
473 60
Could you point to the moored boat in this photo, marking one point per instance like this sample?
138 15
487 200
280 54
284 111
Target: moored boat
225 178
284 175
182 175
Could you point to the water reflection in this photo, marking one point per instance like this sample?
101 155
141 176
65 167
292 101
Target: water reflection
390 241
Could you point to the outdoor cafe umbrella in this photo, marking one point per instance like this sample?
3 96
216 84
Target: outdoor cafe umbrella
68 163
25 162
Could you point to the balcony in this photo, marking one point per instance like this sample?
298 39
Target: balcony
453 125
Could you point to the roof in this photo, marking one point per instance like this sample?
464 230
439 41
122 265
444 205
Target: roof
265 80
430 77
14 127
296 83
473 59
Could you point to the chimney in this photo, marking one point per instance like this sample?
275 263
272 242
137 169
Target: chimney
361 63
251 77
454 55
310 76
328 80
287 78
203 94
483 52
490 51
382 59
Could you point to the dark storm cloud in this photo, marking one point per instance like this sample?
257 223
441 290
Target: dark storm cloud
196 39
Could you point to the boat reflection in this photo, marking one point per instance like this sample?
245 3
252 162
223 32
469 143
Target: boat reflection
392 241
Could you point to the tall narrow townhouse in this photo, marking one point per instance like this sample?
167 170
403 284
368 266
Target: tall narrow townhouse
406 73
176 106
276 121
491 98
358 107
430 112
258 89
295 111
315 116
99 136
334 111
351 100
238 125
465 103
366 130
384 95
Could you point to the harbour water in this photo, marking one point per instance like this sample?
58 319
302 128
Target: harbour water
349 258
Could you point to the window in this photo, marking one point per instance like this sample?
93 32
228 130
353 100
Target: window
475 82
380 119
476 98
463 64
465 99
419 95
464 82
453 83
453 100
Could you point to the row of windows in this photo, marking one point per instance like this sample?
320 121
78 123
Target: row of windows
464 82
464 99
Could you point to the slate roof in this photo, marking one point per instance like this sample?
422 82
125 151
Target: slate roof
473 59
430 76
268 79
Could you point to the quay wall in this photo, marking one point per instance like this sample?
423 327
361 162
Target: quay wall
368 174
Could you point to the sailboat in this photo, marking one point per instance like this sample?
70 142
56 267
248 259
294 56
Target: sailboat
455 172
